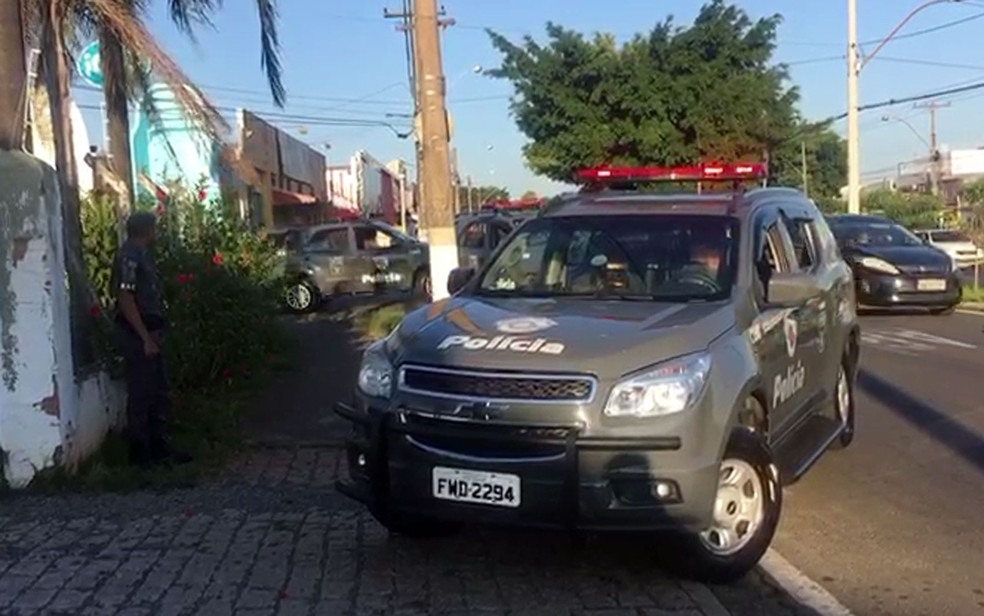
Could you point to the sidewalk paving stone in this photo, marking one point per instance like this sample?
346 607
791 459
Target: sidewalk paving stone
284 543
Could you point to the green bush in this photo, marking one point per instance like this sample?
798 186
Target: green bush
218 282
912 210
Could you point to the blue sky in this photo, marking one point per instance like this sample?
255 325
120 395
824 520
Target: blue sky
342 59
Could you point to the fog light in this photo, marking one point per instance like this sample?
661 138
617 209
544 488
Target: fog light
663 490
361 461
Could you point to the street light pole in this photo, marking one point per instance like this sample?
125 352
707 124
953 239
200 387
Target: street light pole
853 113
854 65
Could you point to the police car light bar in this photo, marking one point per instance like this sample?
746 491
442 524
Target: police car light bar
694 173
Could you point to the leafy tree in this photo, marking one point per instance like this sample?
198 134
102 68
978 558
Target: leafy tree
973 193
674 95
529 195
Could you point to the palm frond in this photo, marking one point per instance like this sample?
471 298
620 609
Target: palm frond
117 16
270 50
186 14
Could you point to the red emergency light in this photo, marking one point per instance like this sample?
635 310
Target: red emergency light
708 172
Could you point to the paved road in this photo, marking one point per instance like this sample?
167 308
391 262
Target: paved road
893 524
272 539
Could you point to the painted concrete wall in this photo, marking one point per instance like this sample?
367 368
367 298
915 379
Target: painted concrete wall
170 148
48 416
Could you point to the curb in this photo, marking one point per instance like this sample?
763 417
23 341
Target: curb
802 589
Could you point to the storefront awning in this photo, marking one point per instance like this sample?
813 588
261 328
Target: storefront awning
288 197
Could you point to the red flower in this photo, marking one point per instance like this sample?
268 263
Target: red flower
227 374
95 310
161 209
182 278
217 259
202 194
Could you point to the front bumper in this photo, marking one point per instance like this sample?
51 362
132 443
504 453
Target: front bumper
887 291
567 480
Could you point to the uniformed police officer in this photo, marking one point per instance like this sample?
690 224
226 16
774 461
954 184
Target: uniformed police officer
140 324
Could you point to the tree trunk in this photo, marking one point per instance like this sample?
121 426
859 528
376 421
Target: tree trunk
117 115
13 76
57 76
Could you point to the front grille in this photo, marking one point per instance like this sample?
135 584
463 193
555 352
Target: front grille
496 386
925 270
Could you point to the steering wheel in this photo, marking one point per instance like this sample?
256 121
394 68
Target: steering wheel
700 279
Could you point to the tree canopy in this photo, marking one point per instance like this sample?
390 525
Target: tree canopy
709 91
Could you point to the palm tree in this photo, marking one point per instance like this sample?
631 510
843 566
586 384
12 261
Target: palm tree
50 25
13 77
117 62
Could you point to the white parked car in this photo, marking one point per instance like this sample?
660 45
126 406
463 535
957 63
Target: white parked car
955 243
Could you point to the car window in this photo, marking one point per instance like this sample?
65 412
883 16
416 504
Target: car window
803 236
669 258
874 234
375 238
393 231
329 240
950 236
474 236
826 242
499 233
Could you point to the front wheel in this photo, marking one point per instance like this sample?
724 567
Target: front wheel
844 405
747 506
300 297
422 284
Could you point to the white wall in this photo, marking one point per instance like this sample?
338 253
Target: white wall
47 416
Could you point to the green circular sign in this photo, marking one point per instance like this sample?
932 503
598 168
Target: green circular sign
89 65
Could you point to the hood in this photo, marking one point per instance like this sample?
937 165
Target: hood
605 338
903 256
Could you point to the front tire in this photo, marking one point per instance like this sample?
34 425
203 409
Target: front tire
422 284
301 297
746 513
844 405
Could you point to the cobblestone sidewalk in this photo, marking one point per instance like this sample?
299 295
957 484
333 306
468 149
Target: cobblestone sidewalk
272 538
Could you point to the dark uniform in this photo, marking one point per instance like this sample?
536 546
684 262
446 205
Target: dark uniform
148 391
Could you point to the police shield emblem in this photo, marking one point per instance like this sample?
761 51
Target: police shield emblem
791 330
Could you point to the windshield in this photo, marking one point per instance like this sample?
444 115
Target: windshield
672 258
874 234
949 236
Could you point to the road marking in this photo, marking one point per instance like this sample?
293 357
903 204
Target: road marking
909 342
800 587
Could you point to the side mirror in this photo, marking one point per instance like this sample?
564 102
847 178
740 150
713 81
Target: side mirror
790 289
459 277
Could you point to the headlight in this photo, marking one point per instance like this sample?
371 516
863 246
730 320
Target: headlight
878 265
667 388
376 373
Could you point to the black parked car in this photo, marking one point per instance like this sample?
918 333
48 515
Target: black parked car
893 267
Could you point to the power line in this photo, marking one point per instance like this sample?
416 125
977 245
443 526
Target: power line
918 61
912 99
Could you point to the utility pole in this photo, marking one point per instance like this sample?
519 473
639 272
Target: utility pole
438 213
935 171
456 181
806 176
853 113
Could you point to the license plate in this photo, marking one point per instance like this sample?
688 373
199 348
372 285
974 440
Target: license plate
931 284
453 484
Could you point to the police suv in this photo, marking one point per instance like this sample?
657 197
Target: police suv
626 361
